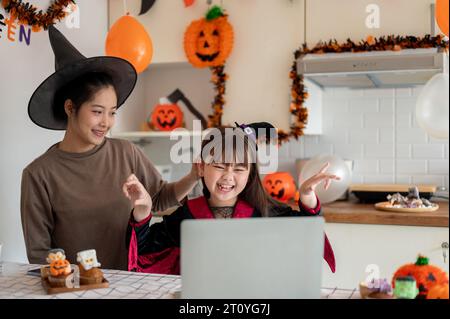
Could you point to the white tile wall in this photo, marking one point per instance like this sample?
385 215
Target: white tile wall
376 129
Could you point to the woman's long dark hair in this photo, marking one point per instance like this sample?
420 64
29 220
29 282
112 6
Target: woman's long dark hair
254 192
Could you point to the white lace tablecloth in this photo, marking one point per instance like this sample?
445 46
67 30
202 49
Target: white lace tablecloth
16 284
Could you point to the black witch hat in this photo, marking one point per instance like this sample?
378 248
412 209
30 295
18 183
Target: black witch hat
69 65
255 129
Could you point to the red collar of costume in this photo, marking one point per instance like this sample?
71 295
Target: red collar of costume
199 209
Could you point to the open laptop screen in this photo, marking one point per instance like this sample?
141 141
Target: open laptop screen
255 258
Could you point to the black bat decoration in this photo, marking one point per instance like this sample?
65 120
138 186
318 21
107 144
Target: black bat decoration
146 6
1 22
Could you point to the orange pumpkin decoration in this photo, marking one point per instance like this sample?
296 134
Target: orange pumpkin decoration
438 292
427 276
280 186
167 117
60 267
208 42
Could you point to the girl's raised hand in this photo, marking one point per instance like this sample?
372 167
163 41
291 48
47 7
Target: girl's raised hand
139 198
309 186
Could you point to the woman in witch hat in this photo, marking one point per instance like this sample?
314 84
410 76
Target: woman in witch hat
71 196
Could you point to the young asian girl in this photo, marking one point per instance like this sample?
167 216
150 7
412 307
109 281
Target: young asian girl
232 189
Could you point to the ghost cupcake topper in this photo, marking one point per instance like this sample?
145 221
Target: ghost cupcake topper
88 259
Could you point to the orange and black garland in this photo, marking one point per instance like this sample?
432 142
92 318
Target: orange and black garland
219 78
297 108
27 14
298 91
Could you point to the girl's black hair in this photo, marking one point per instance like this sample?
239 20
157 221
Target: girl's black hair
79 91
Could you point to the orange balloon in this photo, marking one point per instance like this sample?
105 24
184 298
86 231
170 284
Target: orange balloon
128 39
442 15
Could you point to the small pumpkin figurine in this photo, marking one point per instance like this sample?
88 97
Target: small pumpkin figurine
438 292
280 186
53 268
208 42
166 117
60 267
60 271
427 276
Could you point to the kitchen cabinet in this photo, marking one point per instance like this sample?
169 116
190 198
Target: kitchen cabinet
367 251
266 35
368 242
337 19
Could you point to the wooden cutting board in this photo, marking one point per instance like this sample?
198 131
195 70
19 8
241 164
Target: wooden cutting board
58 290
391 188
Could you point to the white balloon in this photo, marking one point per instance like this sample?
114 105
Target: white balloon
432 107
337 167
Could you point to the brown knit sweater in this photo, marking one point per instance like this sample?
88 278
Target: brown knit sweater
75 201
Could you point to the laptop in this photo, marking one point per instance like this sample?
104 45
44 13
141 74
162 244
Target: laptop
254 258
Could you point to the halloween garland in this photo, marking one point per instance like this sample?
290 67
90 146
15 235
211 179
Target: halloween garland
219 78
298 91
26 13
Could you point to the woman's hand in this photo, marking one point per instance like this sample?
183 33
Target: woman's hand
185 185
308 188
194 174
139 197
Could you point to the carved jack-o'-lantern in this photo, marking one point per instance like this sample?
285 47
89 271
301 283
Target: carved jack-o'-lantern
60 267
209 41
427 276
167 117
280 186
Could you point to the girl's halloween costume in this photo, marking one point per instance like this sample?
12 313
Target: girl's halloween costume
156 249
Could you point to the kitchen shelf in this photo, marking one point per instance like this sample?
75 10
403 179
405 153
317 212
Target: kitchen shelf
154 134
144 139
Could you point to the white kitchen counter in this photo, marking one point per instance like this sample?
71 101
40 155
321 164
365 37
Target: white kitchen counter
16 284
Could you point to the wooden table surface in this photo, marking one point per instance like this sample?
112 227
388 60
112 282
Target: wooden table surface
353 212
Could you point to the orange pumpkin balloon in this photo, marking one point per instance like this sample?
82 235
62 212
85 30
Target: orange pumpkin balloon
208 42
442 15
167 117
280 186
129 40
